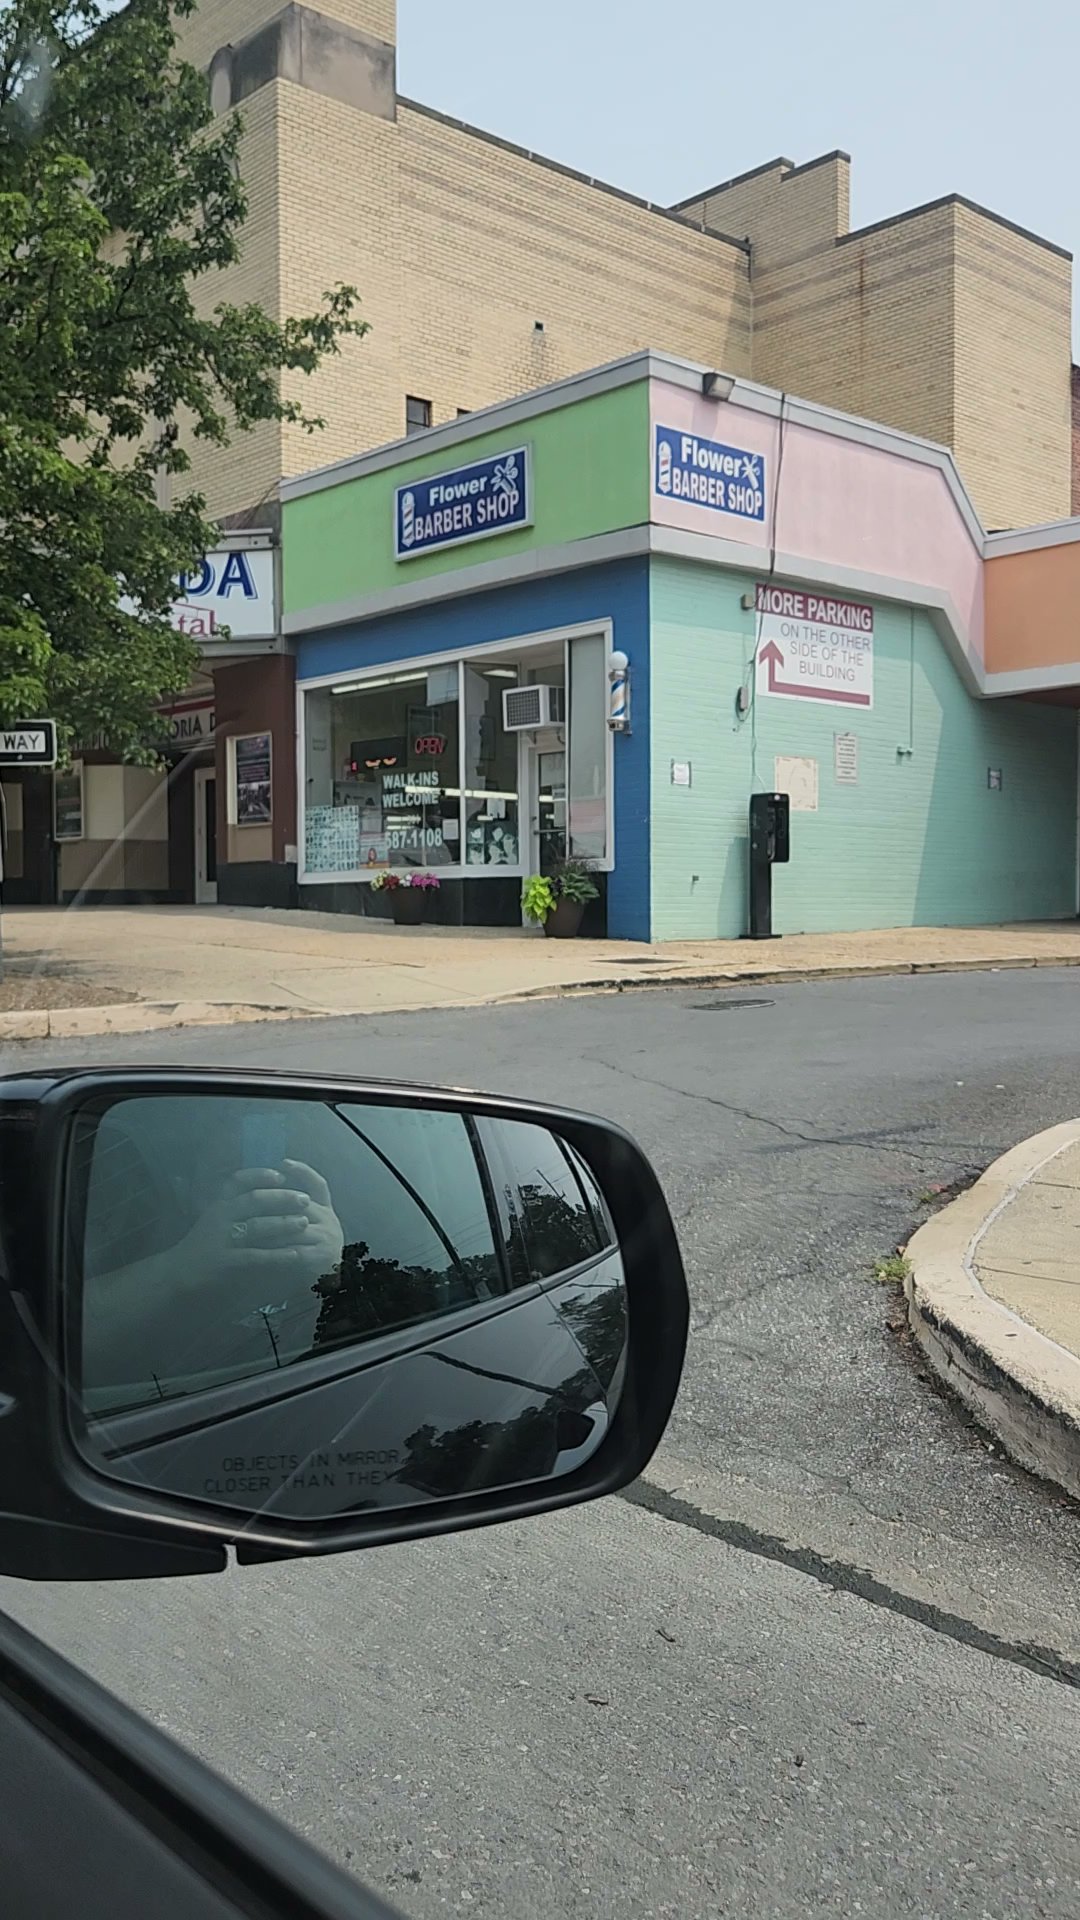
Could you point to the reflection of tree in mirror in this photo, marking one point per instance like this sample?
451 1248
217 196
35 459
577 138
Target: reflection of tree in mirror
597 1320
366 1295
554 1234
491 1453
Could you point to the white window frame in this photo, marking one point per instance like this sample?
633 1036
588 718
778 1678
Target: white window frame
519 644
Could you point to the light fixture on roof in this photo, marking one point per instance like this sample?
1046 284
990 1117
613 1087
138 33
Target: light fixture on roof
717 386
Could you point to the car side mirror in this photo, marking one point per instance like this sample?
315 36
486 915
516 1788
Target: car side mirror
304 1316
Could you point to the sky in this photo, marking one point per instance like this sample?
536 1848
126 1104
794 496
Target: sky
668 97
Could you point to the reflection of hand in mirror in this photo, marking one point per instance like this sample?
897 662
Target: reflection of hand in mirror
278 1223
235 1289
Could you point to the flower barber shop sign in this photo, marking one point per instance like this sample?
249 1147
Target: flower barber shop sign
465 503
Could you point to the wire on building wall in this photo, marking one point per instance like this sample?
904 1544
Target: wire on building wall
911 682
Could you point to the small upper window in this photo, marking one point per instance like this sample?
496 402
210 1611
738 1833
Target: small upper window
417 414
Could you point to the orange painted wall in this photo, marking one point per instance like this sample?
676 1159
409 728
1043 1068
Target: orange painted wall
1033 609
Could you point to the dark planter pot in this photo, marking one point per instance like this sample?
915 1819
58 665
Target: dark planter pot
407 906
566 920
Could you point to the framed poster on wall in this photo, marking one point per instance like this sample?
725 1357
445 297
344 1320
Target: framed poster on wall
252 795
68 803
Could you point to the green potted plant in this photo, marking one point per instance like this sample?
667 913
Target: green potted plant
557 901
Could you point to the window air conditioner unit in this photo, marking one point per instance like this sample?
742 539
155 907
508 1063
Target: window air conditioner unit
525 708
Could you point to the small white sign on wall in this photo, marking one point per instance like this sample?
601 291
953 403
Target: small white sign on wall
846 759
680 773
798 778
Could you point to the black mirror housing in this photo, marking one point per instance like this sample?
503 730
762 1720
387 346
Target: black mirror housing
435 1358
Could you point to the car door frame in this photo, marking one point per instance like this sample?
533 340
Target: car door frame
103 1801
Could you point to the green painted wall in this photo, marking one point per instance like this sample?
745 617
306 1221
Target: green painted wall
590 476
921 840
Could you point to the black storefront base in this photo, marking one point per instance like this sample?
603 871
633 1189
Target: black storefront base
458 903
125 897
258 883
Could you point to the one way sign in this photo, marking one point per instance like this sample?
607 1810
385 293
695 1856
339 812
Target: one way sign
31 745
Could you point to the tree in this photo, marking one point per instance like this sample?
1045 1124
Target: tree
118 194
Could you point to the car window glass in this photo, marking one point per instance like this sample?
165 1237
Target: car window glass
547 1223
191 1279
601 1217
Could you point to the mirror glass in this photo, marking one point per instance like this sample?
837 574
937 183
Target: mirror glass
304 1307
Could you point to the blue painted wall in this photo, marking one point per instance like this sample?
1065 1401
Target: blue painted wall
619 593
920 840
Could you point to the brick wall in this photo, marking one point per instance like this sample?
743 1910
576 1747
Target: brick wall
783 210
1074 390
1012 431
945 321
1075 411
220 23
458 245
461 246
242 473
866 325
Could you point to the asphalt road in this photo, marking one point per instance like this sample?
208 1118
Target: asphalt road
825 1659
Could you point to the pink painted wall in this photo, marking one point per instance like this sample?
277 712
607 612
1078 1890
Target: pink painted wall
840 504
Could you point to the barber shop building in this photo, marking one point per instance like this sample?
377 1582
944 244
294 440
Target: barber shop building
598 619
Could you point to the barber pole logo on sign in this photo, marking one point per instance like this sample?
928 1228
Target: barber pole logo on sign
811 646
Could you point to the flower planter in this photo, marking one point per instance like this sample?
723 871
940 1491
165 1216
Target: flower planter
407 906
566 920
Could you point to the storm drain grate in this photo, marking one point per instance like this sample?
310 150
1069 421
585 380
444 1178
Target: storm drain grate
726 1006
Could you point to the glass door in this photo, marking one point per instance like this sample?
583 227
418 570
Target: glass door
205 837
547 788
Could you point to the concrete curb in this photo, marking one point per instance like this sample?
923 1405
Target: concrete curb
1021 1385
783 976
138 1016
150 1016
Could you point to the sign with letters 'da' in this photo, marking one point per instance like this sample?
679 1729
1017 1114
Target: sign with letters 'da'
466 503
229 595
708 473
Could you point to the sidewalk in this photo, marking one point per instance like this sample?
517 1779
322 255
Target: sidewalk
192 965
994 1301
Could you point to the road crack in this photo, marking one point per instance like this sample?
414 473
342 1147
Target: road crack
840 1576
882 1140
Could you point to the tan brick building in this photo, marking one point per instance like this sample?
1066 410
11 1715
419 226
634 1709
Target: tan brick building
486 271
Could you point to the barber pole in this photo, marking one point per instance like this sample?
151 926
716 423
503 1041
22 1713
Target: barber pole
619 693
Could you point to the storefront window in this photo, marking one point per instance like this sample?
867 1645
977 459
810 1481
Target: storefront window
492 829
588 747
383 786
414 769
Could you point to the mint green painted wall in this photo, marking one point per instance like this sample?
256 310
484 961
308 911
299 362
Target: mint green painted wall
919 841
590 476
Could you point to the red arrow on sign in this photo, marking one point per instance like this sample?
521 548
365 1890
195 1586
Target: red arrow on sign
771 653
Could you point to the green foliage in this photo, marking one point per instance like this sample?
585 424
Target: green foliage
118 194
537 898
892 1269
572 880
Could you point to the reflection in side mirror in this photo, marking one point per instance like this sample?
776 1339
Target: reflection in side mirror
309 1306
